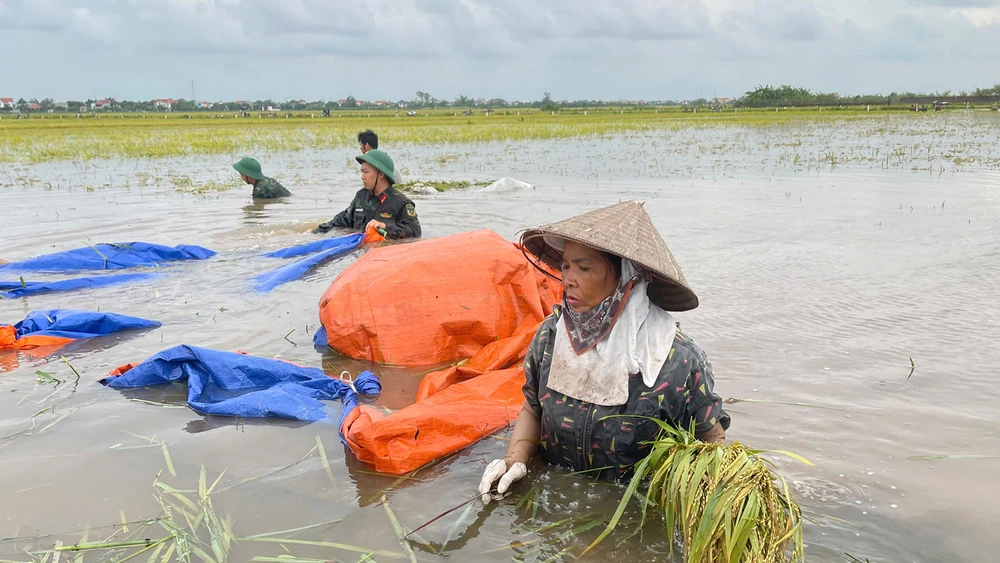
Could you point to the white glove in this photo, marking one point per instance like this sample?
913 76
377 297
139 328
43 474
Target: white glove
497 469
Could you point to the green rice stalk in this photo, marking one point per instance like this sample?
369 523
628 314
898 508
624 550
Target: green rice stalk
83 539
76 373
156 552
275 472
102 545
45 377
322 456
734 400
400 531
723 499
169 553
333 545
454 527
166 458
293 530
289 559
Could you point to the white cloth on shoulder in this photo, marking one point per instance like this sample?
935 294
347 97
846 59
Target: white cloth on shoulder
639 342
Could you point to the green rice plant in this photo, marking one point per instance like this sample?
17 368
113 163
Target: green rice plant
723 499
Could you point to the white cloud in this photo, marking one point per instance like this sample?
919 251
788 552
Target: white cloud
650 49
99 27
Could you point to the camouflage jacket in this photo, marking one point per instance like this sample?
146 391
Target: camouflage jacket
269 188
572 432
392 208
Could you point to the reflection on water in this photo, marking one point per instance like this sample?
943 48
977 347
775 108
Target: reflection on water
262 209
818 280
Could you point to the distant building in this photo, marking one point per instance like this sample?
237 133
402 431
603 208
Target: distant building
101 104
61 105
207 105
723 100
6 103
167 103
383 103
34 107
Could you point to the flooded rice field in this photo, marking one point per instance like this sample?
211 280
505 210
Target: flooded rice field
827 256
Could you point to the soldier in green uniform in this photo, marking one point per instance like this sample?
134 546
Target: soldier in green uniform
263 187
378 203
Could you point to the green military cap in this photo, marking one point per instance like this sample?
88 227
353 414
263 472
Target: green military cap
249 167
380 160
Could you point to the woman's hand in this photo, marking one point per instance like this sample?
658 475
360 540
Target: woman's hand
506 471
523 446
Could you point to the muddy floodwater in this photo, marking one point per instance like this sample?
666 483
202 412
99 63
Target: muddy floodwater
826 255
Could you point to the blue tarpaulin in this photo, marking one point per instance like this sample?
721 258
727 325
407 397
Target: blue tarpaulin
333 247
11 290
320 338
110 256
231 384
71 323
351 241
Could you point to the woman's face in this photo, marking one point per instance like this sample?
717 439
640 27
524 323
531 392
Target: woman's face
587 277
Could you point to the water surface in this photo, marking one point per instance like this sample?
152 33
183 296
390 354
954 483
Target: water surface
823 266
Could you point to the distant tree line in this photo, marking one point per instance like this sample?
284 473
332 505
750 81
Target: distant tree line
785 95
762 96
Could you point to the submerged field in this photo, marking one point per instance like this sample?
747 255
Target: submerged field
52 137
828 251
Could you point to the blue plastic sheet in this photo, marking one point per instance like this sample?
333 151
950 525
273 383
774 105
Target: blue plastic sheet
226 383
320 339
290 272
350 241
71 323
11 290
110 256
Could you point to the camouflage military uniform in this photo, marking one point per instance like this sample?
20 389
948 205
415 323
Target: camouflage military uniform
572 432
269 188
392 208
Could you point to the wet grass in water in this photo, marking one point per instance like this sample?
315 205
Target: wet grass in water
135 136
723 499
441 185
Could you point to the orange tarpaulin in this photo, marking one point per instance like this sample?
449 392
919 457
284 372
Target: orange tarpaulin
36 346
433 301
471 296
10 341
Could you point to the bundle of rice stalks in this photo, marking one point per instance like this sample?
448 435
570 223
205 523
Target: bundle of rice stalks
723 499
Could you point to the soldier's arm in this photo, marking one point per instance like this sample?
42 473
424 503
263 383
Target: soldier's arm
343 219
407 225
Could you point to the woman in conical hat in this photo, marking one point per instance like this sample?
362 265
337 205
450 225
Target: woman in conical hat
611 348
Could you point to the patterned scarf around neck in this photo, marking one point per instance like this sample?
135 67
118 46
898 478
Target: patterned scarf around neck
585 330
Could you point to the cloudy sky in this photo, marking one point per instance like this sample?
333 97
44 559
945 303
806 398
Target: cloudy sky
514 49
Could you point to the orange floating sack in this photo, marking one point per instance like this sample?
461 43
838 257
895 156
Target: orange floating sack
433 301
471 297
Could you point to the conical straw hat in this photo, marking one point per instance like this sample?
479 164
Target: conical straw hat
625 230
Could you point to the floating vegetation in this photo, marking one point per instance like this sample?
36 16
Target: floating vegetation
431 186
723 499
184 184
191 530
